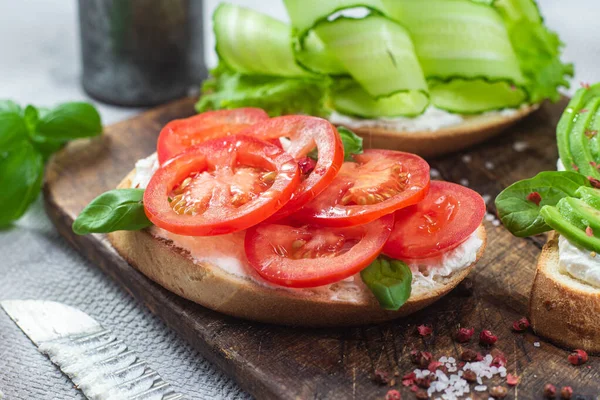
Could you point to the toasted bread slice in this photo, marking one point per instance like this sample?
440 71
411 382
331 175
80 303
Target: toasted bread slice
474 129
212 286
561 308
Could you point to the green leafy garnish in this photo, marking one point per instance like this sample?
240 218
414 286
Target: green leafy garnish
115 210
353 144
27 139
276 95
390 281
69 121
21 173
520 215
537 48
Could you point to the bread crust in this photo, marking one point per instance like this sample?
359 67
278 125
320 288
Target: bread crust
563 309
474 129
211 286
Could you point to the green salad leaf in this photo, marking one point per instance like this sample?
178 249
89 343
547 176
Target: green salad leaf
21 174
276 95
390 281
520 215
537 48
115 210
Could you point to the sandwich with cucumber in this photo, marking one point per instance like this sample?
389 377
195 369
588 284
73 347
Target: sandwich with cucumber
565 298
424 76
289 220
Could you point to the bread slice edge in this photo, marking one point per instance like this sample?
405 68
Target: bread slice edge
561 308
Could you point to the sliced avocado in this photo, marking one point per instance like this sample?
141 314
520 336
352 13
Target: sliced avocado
567 120
579 139
580 214
574 234
590 195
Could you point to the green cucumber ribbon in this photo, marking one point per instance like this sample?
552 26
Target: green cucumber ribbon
395 57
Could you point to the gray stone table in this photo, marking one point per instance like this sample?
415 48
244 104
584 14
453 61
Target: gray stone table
39 64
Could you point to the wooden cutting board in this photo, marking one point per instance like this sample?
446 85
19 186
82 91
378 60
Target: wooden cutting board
295 363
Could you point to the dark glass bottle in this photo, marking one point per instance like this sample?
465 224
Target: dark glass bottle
141 52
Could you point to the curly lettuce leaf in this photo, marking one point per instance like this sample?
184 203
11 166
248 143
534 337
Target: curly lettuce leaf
537 47
276 95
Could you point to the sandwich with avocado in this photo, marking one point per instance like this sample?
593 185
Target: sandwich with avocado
565 298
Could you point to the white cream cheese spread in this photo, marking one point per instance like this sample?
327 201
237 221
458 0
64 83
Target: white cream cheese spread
579 263
428 271
144 169
431 120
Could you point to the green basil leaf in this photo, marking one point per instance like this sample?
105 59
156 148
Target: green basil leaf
21 175
69 121
390 281
31 118
9 106
115 210
353 144
521 216
12 129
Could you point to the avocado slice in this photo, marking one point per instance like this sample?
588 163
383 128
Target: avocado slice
579 139
579 213
572 232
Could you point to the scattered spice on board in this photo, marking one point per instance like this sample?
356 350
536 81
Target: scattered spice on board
424 330
566 392
512 380
549 391
521 325
464 334
393 395
578 357
486 337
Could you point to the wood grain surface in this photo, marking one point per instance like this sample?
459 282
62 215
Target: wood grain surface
294 363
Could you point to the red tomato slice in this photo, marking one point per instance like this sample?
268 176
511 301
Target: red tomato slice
305 133
309 256
444 219
180 134
221 186
377 183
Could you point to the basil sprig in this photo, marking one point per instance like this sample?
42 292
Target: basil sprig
353 144
115 210
520 215
390 281
27 139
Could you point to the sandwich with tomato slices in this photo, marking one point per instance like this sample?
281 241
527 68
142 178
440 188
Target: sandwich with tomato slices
288 220
424 76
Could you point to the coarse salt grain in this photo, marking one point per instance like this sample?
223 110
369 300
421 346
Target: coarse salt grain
486 198
434 173
536 344
520 146
464 182
496 222
480 388
466 158
489 165
489 217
